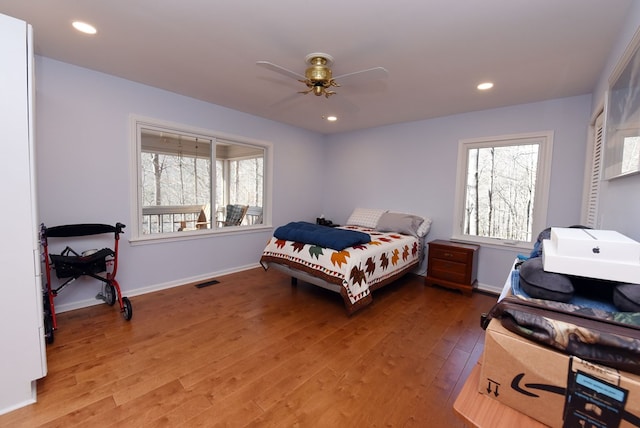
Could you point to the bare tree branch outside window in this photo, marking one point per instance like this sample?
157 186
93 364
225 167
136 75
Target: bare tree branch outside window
500 191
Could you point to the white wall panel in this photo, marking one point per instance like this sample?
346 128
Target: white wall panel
22 359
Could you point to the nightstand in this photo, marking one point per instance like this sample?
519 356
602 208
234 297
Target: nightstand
453 265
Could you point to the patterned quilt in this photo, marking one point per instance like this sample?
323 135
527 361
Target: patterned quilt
358 269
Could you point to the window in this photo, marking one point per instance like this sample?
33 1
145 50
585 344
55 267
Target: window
193 181
502 188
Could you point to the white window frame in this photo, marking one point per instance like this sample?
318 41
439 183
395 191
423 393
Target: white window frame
541 197
135 225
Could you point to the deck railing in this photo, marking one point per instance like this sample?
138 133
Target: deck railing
176 218
171 218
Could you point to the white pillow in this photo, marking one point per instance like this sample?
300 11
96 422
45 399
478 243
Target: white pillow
424 227
365 217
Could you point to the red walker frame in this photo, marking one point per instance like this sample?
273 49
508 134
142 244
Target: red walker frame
72 265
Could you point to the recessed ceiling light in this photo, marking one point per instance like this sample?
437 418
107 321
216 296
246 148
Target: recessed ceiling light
84 27
484 86
332 118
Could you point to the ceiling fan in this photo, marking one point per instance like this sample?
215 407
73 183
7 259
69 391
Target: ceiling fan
318 76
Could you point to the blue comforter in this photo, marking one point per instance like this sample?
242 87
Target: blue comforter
323 236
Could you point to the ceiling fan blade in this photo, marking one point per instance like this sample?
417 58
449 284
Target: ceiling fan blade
273 67
284 103
368 74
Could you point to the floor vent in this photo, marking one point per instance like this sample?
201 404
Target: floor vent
207 283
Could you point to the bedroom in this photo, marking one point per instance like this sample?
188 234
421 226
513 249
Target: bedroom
94 100
84 114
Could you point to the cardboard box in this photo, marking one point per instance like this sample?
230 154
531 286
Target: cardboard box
602 254
539 381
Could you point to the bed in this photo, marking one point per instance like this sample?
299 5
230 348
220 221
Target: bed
393 247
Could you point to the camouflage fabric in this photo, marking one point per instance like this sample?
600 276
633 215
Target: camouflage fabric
607 338
631 319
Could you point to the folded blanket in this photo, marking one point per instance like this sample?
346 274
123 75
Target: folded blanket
323 236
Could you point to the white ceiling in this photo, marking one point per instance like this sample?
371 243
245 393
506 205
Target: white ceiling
436 51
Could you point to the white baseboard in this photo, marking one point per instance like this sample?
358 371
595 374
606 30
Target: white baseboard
16 393
154 287
490 289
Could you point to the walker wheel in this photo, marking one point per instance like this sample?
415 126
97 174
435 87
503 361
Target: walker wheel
47 320
127 312
48 329
109 294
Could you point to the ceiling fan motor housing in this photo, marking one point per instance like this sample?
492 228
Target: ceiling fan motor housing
318 71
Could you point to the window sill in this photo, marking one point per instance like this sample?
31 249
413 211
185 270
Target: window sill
188 235
501 244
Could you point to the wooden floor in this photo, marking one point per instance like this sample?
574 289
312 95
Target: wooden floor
254 351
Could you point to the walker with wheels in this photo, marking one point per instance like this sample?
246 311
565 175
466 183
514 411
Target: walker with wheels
70 265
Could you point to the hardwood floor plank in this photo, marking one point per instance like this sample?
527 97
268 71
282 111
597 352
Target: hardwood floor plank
252 351
99 410
183 412
304 406
151 406
231 412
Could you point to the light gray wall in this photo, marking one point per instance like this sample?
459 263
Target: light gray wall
619 207
83 158
411 167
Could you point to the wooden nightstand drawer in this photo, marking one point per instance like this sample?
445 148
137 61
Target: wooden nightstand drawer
448 253
450 271
453 265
